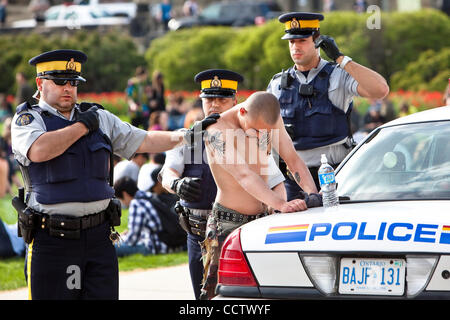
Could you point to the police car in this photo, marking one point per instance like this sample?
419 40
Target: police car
389 238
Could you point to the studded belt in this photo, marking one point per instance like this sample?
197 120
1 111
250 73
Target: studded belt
236 217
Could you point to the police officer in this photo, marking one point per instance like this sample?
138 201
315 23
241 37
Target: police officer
186 171
316 96
68 213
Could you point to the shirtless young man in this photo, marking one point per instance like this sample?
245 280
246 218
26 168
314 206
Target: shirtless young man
238 146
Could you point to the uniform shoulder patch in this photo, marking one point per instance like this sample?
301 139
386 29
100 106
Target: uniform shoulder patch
24 119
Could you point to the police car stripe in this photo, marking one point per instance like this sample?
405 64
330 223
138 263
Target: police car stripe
30 253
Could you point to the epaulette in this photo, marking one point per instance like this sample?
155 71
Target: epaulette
277 75
23 107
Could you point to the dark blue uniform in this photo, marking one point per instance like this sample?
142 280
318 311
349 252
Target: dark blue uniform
316 103
70 254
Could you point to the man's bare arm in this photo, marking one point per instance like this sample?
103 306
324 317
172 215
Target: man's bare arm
295 164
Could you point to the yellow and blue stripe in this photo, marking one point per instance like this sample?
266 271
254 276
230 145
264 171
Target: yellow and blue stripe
445 234
291 233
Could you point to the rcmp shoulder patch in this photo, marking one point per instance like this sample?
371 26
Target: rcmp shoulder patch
24 119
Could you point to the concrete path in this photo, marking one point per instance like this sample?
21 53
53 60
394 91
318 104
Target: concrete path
172 283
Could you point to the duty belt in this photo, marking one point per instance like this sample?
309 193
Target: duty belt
63 226
197 220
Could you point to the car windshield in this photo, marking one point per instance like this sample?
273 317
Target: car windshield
211 12
400 162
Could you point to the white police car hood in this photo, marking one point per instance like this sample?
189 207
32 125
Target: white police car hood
396 226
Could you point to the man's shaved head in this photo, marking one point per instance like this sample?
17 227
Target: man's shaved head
265 105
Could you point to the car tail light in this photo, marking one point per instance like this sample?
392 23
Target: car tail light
418 271
322 270
233 268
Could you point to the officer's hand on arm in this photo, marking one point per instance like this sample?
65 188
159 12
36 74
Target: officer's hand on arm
196 132
187 188
89 118
328 45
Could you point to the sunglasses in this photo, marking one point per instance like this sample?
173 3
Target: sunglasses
63 82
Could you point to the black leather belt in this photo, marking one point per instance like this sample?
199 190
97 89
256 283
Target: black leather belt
63 226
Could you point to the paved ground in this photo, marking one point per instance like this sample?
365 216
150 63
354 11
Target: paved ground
172 283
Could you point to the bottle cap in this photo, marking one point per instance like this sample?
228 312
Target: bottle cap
323 158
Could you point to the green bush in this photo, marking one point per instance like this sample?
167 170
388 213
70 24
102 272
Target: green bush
430 72
181 55
112 58
255 51
407 34
258 52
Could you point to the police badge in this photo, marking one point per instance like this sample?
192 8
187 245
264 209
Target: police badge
216 83
295 24
71 65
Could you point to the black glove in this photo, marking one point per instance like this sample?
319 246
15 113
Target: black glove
196 132
312 200
187 188
328 45
89 118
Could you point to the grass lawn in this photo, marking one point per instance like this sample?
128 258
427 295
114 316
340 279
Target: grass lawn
12 270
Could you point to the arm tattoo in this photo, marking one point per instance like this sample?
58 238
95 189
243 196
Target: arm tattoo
264 142
297 177
216 143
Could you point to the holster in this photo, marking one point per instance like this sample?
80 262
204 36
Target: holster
25 217
197 225
183 218
25 225
115 212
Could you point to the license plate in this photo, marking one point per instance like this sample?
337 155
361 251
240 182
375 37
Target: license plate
372 276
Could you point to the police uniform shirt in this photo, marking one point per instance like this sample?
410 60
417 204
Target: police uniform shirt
178 157
342 89
125 139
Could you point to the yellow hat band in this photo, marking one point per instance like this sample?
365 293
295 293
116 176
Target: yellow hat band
70 65
302 24
219 84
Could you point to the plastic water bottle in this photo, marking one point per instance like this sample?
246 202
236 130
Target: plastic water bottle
328 184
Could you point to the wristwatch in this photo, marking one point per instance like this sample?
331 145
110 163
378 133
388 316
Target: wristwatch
344 62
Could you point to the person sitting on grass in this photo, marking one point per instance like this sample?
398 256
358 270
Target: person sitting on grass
10 244
152 222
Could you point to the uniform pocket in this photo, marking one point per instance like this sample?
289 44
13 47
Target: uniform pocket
99 157
63 168
320 121
287 107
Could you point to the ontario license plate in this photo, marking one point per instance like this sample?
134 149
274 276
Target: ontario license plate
372 276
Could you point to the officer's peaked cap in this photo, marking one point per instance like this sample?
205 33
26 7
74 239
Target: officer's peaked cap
64 64
300 25
218 83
